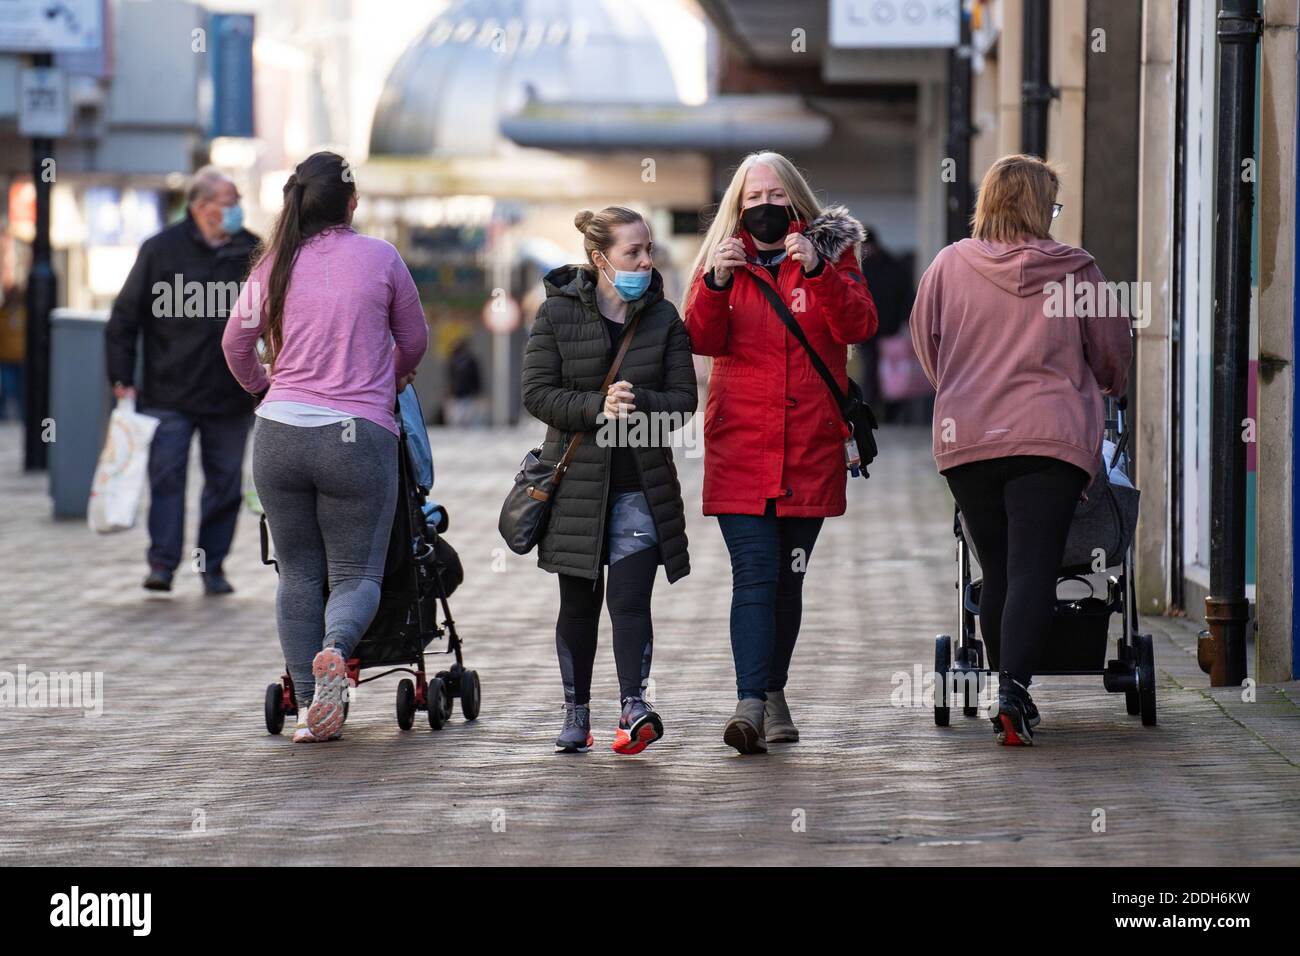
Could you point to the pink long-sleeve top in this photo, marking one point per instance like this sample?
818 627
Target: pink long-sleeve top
352 326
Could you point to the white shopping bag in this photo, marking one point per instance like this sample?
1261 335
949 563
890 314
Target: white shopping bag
122 471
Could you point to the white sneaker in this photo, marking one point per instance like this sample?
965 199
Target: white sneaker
326 715
303 734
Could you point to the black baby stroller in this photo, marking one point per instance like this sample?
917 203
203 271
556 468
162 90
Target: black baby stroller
1080 626
421 571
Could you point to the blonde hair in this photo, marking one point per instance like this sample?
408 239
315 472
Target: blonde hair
802 201
597 228
1015 199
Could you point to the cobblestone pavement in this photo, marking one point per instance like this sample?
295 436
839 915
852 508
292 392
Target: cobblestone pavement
179 768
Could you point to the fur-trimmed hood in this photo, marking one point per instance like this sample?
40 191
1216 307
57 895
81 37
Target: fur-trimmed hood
834 231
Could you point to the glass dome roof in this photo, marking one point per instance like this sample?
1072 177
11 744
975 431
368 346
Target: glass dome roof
481 60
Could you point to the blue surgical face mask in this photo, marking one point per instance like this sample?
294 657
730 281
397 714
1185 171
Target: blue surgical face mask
629 285
232 219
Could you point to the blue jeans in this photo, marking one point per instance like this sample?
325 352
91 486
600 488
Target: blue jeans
769 556
11 389
221 447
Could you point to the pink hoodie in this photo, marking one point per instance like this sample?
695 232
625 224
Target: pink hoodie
1013 375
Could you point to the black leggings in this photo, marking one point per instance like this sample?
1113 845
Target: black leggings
631 579
1018 512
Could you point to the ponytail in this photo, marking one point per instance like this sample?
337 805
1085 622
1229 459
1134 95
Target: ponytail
316 198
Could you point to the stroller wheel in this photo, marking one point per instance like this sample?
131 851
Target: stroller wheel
967 674
1132 703
439 703
405 704
942 664
1146 664
470 694
274 708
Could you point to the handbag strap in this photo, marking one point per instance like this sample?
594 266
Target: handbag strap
784 314
563 464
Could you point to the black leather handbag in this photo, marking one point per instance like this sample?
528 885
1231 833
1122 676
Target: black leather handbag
857 413
528 505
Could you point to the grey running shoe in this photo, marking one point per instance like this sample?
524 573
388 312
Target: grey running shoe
777 721
744 730
576 737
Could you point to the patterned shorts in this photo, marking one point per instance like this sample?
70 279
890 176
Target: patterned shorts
631 528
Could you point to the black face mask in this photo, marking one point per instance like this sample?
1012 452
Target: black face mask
767 222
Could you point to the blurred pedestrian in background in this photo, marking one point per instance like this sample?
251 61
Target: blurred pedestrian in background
464 403
13 349
178 297
886 384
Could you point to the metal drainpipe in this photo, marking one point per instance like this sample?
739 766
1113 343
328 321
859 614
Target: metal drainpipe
1226 608
960 198
1035 90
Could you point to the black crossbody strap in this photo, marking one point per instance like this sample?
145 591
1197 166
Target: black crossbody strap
563 464
792 324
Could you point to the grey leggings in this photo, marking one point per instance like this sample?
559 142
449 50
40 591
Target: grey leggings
329 501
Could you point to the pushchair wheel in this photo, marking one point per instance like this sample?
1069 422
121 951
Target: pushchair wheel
439 702
469 694
405 704
969 660
1132 703
1146 664
942 664
274 708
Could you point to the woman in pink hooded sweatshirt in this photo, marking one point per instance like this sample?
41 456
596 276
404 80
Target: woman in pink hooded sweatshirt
1006 326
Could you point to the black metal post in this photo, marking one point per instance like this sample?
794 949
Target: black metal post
960 130
42 289
1226 609
1035 89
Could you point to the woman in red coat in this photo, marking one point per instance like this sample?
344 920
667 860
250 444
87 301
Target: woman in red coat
775 457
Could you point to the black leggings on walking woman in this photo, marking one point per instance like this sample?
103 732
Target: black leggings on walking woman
1018 510
631 579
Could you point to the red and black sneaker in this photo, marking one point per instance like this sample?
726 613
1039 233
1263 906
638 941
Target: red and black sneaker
638 727
1011 719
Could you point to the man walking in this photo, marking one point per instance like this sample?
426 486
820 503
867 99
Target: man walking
178 298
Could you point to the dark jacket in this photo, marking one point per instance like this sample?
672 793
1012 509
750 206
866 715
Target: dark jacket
564 366
184 366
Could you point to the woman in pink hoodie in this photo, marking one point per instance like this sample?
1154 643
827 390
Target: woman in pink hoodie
1006 325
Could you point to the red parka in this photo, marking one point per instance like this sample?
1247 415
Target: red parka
771 427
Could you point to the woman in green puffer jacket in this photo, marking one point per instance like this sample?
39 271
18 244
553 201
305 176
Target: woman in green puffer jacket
620 502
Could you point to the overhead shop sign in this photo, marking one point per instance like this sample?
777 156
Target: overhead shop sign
51 26
898 24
